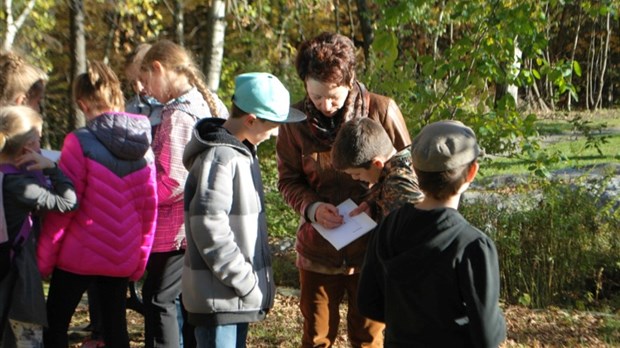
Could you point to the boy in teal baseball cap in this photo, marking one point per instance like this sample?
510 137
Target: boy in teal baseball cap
227 277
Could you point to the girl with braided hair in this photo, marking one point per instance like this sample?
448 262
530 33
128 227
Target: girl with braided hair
170 75
20 82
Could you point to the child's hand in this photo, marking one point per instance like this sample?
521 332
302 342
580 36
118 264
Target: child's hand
328 216
362 208
32 160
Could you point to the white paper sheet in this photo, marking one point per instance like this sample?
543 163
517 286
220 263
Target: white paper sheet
352 228
53 155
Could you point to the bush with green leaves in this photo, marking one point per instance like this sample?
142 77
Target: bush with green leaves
560 251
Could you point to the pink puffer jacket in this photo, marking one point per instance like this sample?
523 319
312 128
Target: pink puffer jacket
111 233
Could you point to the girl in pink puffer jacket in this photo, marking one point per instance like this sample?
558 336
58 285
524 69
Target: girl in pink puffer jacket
107 240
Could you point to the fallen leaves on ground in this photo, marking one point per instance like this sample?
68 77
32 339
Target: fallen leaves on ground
551 327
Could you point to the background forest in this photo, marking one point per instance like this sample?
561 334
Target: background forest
437 59
497 65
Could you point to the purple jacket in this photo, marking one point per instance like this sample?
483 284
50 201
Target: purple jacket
111 233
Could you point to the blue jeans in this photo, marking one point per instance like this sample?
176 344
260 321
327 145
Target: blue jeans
222 336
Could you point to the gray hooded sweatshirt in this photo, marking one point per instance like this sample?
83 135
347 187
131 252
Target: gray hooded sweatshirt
227 275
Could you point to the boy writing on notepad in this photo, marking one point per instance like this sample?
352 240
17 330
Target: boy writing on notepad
363 150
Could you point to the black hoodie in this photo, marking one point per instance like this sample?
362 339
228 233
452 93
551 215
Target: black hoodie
434 280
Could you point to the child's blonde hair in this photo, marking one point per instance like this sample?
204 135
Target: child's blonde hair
18 77
176 58
99 87
18 124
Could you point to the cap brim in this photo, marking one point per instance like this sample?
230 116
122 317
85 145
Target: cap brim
294 115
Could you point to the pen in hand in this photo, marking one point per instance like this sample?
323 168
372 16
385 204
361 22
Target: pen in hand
328 216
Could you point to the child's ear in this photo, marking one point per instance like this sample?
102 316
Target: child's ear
249 120
157 66
377 162
83 106
21 99
473 170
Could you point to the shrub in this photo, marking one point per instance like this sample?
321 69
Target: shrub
281 219
558 249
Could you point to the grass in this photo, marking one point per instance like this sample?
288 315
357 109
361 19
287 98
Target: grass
560 140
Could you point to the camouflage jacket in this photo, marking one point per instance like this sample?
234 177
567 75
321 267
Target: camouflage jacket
396 186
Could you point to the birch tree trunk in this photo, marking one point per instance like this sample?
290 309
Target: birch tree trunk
572 58
214 45
589 81
12 26
604 55
78 56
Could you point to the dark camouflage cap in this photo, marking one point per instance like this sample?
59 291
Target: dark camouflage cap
444 145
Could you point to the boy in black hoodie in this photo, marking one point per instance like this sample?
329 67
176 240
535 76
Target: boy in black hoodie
428 274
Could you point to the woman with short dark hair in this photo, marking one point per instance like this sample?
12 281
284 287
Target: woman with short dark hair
313 187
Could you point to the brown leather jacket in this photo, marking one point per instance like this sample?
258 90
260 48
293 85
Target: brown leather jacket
306 176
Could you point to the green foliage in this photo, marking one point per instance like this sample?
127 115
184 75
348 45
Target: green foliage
462 76
558 247
592 133
282 219
33 37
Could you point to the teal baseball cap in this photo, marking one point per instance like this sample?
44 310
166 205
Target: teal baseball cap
263 95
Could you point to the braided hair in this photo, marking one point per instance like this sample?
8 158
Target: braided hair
18 77
176 58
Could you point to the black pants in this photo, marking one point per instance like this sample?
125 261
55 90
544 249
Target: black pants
65 293
161 288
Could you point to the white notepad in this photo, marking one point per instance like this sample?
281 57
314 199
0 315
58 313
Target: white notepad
352 228
53 155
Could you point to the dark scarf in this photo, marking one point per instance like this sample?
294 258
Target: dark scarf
325 128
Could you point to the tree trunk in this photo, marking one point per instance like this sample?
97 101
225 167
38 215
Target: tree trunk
112 18
548 90
214 44
13 26
514 70
572 57
78 57
337 15
549 84
533 95
351 22
366 24
592 66
178 22
604 54
589 83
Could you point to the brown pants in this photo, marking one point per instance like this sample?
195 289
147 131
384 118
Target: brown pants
321 295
